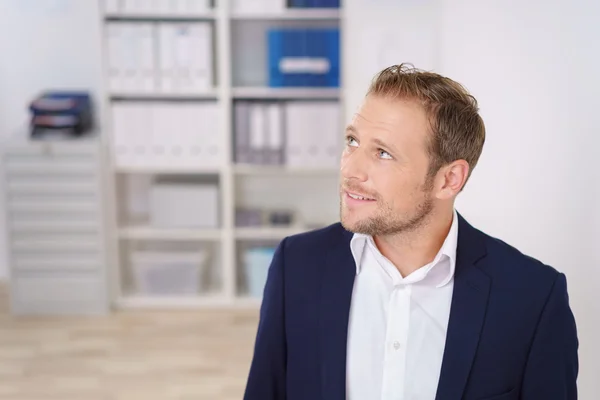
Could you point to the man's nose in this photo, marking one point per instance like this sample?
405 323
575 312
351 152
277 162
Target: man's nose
354 166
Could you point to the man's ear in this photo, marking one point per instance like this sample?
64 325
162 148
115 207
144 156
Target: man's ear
452 179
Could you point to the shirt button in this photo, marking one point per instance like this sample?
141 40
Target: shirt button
396 345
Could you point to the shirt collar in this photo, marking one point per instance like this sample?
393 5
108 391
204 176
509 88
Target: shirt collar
359 241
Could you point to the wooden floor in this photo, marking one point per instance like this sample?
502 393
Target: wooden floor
126 356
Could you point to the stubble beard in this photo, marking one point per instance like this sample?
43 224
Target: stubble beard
387 222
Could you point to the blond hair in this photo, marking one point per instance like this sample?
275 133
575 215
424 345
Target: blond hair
457 129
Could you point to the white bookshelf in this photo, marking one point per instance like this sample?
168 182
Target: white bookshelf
239 185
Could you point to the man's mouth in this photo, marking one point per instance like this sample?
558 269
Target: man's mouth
359 197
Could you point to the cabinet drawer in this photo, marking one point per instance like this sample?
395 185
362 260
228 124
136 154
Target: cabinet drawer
56 262
52 205
49 220
68 294
45 168
81 147
45 164
36 243
51 187
52 159
54 225
54 259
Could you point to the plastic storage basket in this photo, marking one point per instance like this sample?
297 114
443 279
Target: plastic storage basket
168 273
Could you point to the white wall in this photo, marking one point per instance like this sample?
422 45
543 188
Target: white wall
535 184
532 66
44 44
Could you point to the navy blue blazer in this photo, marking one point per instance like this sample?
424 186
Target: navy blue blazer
511 333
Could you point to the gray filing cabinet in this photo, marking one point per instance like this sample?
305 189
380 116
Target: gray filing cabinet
55 226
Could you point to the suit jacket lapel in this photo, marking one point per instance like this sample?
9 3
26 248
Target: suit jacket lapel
467 313
335 297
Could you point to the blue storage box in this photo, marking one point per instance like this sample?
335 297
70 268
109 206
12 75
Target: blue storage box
304 57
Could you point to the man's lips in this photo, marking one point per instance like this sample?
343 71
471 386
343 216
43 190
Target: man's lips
358 196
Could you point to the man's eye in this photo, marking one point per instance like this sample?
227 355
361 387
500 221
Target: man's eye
384 154
351 141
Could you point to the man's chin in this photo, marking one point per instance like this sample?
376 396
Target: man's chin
353 225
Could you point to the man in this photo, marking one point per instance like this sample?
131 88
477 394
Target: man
404 299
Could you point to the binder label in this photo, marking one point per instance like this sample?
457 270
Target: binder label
296 65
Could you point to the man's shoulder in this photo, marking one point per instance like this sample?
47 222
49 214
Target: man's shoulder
507 262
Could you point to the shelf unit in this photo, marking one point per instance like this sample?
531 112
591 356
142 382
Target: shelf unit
225 93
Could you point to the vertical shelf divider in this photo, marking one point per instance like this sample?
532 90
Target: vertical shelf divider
223 54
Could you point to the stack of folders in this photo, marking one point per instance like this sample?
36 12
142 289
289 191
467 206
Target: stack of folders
313 134
314 3
174 57
304 57
183 7
167 135
299 134
259 136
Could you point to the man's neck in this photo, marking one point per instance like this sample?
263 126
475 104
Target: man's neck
409 251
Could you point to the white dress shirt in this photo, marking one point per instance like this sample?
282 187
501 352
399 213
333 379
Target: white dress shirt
397 327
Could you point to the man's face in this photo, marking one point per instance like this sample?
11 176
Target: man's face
385 187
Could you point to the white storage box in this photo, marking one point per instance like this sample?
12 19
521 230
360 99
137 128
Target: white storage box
168 273
184 205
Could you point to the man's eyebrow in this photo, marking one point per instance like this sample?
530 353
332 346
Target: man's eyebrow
388 146
351 128
381 143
